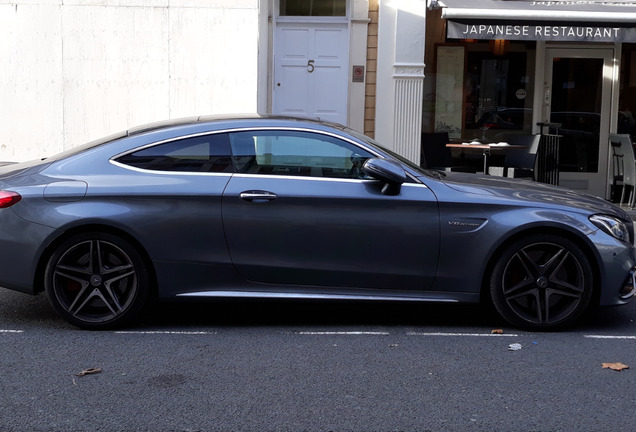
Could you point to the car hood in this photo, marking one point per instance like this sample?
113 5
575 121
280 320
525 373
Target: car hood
530 193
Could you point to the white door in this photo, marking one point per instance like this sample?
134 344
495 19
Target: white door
311 64
577 94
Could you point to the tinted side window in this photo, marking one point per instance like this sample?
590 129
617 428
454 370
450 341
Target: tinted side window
296 153
207 153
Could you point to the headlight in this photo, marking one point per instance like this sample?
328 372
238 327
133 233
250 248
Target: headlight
612 226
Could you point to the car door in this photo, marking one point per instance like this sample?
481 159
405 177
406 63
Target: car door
180 190
300 212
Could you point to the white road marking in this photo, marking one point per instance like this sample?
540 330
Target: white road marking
464 334
347 333
355 333
408 334
168 332
608 337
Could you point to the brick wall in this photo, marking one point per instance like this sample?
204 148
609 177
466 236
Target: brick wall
372 61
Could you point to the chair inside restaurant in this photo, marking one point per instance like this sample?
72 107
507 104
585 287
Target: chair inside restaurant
519 162
624 168
435 154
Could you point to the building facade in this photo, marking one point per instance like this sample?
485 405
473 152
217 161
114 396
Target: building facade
498 68
76 70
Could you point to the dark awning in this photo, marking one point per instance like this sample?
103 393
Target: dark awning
573 20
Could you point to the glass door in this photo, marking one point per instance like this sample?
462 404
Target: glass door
577 95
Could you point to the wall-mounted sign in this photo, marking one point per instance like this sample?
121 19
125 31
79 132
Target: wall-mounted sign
521 94
534 31
358 74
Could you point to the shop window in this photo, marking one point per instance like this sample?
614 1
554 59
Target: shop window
313 8
496 102
480 94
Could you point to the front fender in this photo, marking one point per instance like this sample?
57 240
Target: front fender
468 244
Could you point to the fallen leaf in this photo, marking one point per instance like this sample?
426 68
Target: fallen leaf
615 366
497 331
90 371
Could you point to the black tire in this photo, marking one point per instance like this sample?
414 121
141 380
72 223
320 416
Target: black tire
97 281
542 283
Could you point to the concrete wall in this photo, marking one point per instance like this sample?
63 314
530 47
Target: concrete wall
75 70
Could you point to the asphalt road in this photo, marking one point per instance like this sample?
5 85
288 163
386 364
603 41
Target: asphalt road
290 366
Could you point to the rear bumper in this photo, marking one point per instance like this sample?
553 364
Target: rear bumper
21 245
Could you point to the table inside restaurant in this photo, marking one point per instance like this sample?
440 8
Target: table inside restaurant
485 149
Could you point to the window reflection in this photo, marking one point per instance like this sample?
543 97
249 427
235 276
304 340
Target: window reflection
313 7
496 99
626 121
491 99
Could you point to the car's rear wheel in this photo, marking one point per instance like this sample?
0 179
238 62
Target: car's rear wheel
542 282
97 281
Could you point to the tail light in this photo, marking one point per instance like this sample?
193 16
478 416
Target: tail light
8 198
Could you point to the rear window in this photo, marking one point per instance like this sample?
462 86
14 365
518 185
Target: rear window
206 153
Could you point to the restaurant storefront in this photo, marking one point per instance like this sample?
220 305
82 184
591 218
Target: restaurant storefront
497 68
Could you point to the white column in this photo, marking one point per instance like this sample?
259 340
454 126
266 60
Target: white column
401 41
409 90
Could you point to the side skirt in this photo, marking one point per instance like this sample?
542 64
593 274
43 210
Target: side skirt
419 297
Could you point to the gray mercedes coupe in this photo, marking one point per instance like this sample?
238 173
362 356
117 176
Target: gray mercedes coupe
270 207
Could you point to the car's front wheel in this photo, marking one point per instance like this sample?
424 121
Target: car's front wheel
97 281
542 282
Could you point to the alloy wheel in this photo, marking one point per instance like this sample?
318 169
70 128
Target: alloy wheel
95 282
542 285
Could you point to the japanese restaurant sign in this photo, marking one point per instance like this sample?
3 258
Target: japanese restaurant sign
574 32
544 20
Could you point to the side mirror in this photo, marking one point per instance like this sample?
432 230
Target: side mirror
390 173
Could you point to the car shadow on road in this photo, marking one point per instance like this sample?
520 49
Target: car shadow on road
612 320
274 313
317 313
19 310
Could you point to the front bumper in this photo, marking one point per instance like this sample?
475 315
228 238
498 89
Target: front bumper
629 287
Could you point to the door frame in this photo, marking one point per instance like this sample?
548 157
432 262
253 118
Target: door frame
313 24
357 19
597 183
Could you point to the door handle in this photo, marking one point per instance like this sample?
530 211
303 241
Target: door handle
258 196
